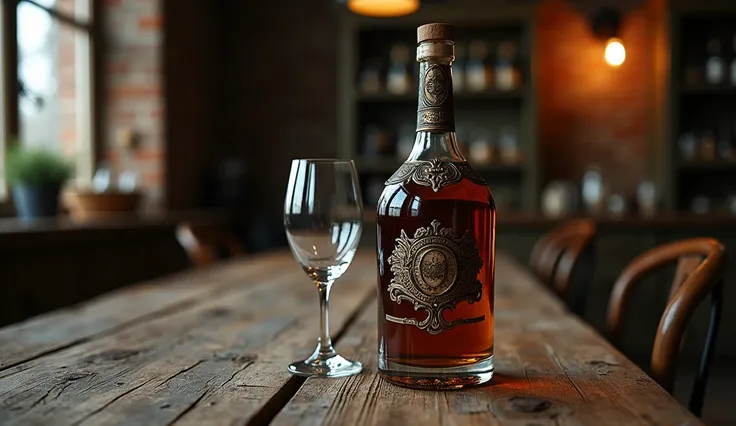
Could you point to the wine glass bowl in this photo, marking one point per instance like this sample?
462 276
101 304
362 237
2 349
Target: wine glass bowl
323 215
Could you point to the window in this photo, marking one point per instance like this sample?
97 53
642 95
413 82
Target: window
47 59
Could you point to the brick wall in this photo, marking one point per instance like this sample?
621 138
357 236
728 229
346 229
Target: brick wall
590 112
134 95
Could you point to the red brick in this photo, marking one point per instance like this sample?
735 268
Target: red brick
148 154
149 23
135 92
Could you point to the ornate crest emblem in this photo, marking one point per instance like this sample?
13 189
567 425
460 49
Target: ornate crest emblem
435 270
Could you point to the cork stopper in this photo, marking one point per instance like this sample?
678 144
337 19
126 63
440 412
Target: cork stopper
435 32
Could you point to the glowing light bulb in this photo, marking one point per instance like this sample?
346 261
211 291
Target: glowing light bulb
383 8
615 53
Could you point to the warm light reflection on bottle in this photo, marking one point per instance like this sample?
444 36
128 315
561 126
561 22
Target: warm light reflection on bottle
615 54
383 8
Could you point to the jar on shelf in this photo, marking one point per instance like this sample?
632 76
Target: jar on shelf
559 198
478 74
616 205
646 198
369 80
399 80
701 205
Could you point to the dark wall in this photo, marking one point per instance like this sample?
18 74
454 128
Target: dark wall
252 81
280 99
193 88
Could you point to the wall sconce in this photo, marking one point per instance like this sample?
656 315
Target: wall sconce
605 23
382 8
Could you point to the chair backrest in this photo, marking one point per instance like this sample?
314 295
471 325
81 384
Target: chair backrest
557 254
203 243
701 265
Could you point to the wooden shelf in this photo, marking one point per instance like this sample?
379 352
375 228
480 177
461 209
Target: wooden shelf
707 166
709 89
388 165
383 97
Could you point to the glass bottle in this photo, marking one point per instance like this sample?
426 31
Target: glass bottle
398 80
733 61
714 66
436 221
478 75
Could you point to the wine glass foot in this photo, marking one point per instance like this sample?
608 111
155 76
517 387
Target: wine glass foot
326 366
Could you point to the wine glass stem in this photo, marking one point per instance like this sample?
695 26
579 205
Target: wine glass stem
325 343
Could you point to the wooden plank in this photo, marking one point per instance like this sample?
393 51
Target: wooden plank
551 369
221 359
117 310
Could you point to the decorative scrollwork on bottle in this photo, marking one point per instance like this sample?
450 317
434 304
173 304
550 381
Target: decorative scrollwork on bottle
435 173
435 270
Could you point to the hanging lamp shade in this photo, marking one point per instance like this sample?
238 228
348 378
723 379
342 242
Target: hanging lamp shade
383 8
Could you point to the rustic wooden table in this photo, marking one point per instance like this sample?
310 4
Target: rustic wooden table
211 348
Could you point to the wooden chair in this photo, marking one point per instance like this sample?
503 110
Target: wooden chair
701 265
557 256
205 243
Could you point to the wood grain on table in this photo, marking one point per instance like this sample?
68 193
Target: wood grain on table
211 347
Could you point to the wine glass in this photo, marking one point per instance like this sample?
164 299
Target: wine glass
323 216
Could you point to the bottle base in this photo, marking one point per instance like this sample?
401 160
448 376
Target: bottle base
472 375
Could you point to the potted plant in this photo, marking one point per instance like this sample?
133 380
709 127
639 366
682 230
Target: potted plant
36 176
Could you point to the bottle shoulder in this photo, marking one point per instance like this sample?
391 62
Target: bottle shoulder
397 196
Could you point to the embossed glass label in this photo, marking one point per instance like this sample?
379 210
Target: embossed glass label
435 270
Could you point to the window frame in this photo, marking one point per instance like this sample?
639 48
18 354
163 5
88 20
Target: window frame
10 119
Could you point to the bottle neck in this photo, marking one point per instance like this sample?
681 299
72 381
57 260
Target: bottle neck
435 136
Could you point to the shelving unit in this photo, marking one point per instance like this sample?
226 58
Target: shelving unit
699 107
514 184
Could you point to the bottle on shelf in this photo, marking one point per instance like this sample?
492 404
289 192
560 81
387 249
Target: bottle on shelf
508 143
405 142
714 65
688 146
708 146
478 75
481 149
377 141
373 189
369 80
646 198
701 204
458 68
593 191
725 149
507 73
399 78
436 222
733 61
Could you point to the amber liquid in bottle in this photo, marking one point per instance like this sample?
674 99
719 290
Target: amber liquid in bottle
436 239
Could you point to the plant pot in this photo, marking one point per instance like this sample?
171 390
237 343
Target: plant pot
36 201
89 205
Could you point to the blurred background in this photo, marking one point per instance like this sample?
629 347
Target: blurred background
160 112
